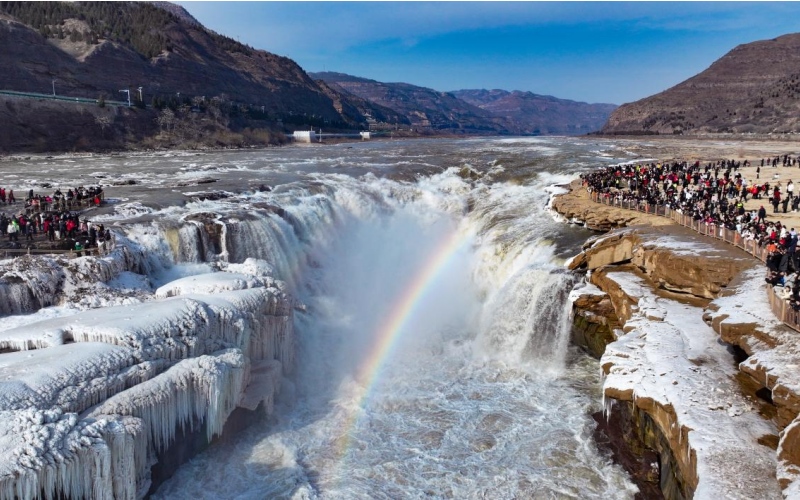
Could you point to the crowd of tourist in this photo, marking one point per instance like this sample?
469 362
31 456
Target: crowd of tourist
56 218
714 194
79 197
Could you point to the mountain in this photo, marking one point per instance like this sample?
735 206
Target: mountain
66 65
357 109
526 113
754 88
490 111
93 48
425 109
215 88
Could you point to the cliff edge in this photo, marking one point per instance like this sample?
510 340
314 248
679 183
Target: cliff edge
697 367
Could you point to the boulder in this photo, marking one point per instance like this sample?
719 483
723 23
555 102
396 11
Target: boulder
624 304
593 323
685 273
668 267
614 249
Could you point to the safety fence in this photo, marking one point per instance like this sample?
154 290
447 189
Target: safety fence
780 307
70 254
99 250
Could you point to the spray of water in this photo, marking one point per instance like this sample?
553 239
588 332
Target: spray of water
463 403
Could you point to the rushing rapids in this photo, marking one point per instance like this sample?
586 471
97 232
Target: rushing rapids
430 352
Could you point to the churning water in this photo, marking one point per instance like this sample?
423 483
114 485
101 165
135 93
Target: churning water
433 358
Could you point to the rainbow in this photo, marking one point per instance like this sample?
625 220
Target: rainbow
389 331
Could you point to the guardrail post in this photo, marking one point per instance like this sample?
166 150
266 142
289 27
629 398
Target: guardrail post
783 310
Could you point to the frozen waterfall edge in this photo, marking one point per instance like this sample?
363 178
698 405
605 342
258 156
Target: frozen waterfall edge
116 387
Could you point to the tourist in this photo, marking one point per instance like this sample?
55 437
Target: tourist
13 229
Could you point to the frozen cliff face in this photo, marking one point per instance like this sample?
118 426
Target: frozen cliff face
88 400
28 283
68 377
53 452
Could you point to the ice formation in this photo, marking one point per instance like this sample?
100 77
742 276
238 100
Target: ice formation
29 283
86 401
774 355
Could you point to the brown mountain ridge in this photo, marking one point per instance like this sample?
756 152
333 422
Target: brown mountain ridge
131 44
754 88
481 111
215 88
192 87
526 113
423 108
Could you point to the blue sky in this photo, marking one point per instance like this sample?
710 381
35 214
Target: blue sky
587 51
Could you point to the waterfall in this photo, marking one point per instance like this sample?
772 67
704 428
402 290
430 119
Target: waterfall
298 227
408 337
527 320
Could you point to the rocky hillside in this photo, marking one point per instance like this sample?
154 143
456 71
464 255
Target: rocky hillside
490 111
357 109
188 85
526 113
423 108
754 88
99 48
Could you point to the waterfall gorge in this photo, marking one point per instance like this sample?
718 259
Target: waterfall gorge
429 344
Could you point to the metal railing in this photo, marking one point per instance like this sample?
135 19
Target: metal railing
780 307
102 248
71 254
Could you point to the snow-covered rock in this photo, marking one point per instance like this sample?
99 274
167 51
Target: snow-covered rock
174 328
670 364
87 401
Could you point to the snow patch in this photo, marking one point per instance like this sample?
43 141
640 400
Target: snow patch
670 356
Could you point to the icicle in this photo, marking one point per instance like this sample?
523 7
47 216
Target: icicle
603 401
608 409
224 254
59 457
140 406
41 281
206 388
